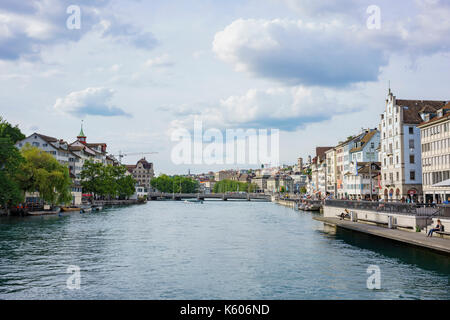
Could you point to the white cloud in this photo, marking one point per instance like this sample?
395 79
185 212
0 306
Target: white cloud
160 61
27 28
330 53
282 108
90 101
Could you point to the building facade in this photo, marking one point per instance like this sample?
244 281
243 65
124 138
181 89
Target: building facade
435 139
401 164
142 172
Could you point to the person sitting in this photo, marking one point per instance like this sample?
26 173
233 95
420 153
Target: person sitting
439 227
344 215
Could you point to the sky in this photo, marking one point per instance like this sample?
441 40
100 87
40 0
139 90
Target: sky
136 71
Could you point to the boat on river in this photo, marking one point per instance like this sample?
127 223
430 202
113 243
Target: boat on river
55 211
71 209
193 201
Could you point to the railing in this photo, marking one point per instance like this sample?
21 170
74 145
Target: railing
393 207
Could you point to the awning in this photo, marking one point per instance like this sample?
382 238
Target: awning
445 183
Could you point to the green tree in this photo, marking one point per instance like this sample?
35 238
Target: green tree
303 190
107 180
41 172
10 162
8 131
227 185
175 184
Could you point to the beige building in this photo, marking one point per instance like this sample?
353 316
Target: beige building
401 168
331 172
142 172
260 180
435 139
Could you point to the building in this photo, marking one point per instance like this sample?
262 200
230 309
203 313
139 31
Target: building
360 179
435 156
72 155
401 165
344 158
365 149
299 181
318 172
331 172
225 175
260 180
142 172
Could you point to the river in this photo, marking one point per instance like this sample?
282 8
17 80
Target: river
214 250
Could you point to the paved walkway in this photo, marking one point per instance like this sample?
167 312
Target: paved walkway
418 239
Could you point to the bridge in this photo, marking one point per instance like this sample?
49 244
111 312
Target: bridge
205 196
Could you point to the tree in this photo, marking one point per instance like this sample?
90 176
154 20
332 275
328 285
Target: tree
227 185
8 131
10 162
303 190
41 172
175 184
107 180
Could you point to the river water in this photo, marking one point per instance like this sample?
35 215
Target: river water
214 250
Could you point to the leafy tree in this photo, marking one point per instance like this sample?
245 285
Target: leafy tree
107 181
227 185
10 162
41 172
8 131
175 184
303 190
126 186
282 189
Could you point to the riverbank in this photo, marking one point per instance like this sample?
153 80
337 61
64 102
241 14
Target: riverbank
416 239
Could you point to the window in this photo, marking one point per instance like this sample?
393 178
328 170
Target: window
398 176
411 130
411 158
412 175
411 143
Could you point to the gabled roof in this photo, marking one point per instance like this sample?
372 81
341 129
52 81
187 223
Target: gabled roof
445 115
145 163
320 151
365 139
412 109
45 138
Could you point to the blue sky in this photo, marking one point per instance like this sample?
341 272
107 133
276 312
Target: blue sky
138 69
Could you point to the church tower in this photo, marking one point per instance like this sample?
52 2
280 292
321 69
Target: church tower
81 137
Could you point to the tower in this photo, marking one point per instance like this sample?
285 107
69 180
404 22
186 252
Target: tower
81 137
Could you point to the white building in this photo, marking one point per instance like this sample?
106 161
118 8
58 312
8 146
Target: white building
435 138
401 168
71 155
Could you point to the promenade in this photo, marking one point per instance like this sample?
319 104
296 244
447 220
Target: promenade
417 239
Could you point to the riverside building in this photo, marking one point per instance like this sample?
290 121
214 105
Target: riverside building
401 165
435 139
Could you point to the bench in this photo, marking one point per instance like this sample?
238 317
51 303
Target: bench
442 233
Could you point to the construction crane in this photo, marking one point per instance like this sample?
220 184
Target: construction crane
121 155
